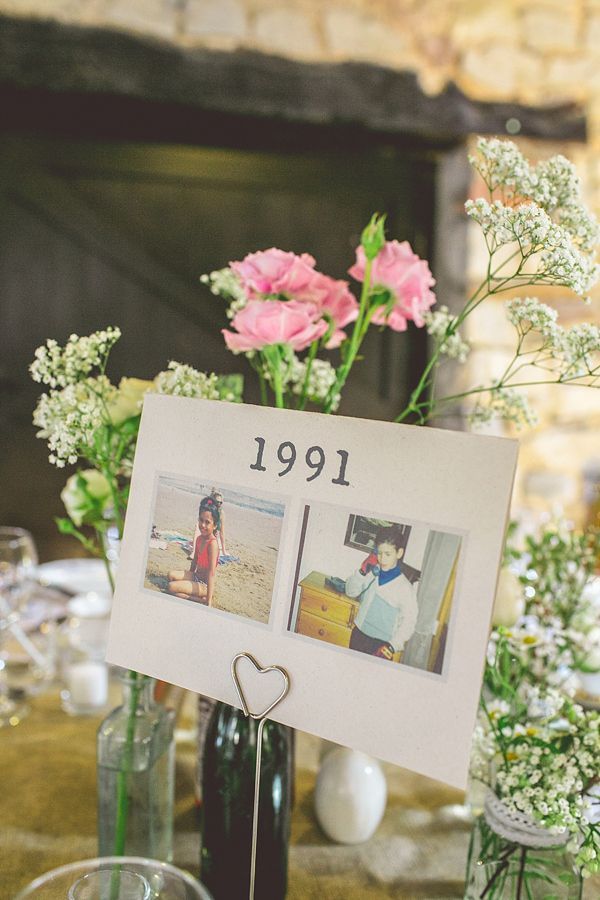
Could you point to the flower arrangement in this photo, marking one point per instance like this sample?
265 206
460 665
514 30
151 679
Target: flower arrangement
87 419
538 753
537 231
533 745
544 753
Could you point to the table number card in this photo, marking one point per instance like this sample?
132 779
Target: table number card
360 556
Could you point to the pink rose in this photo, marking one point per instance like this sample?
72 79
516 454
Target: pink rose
274 272
264 322
409 279
334 298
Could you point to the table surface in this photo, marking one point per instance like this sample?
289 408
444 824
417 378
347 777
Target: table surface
48 817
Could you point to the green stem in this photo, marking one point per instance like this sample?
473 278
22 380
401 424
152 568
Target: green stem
277 385
109 573
122 797
114 492
516 384
358 333
521 872
263 389
122 776
497 734
309 361
484 290
413 405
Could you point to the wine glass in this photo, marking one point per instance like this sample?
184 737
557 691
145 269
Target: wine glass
164 881
18 562
120 884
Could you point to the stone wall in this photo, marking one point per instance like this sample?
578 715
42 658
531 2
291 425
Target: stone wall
536 51
530 51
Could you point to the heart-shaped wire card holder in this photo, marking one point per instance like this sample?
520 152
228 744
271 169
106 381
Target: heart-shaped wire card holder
261 718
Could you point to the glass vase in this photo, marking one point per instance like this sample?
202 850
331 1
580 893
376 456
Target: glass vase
227 806
511 860
136 774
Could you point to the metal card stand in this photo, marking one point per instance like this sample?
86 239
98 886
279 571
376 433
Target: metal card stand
261 718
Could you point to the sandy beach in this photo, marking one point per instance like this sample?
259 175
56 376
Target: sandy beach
243 587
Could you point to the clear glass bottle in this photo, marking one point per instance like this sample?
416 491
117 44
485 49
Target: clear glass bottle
502 869
227 806
136 774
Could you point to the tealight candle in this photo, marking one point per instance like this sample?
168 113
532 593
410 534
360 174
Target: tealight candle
87 684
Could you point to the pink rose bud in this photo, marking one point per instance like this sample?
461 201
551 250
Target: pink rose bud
373 237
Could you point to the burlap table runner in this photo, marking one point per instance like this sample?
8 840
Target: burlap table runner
48 817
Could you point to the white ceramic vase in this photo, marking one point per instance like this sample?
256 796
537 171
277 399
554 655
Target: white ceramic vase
350 796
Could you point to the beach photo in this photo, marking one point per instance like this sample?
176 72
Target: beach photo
214 545
382 586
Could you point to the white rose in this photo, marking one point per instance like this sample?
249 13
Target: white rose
509 603
128 400
93 497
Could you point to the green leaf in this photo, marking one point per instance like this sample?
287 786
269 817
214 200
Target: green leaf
66 526
130 426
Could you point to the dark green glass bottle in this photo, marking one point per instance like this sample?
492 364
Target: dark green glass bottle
227 806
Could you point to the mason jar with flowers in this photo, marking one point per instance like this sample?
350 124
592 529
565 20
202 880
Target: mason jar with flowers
538 835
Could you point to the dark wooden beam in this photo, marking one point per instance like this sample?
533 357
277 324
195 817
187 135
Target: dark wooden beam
101 65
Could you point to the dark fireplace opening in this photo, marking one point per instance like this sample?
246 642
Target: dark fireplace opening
118 232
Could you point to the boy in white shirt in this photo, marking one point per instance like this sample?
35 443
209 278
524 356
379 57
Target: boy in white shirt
388 601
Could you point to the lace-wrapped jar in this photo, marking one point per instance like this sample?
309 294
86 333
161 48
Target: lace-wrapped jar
512 858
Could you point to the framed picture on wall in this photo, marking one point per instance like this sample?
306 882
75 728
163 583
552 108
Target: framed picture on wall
361 531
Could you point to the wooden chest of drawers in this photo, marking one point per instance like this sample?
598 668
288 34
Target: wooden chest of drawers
324 614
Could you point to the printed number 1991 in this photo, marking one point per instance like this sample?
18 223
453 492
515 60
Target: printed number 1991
314 459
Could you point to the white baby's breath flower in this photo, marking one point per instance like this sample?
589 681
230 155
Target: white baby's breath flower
225 283
528 314
495 220
543 703
504 403
60 366
562 263
321 377
184 381
540 210
69 418
500 163
438 323
580 348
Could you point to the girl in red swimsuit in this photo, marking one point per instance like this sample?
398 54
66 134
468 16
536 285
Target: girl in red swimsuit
198 582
